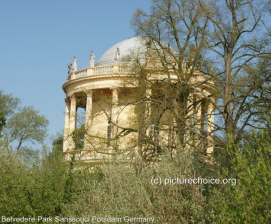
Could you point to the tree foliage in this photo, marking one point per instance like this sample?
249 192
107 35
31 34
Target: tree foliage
221 40
26 125
23 125
241 47
248 201
39 190
175 35
2 118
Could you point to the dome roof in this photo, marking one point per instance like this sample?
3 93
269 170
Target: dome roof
114 54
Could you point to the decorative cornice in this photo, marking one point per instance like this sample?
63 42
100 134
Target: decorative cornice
94 77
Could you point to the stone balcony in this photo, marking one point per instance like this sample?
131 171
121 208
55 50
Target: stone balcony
114 69
110 69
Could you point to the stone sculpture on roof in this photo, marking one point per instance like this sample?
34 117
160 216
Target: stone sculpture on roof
92 59
117 55
72 66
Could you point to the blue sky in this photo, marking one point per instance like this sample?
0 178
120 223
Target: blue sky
40 37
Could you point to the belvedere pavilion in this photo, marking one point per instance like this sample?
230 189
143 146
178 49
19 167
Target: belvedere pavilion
113 117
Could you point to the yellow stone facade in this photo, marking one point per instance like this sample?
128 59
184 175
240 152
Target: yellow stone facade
111 116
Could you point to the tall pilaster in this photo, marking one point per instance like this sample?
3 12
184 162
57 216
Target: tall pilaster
115 101
88 119
189 110
198 113
111 128
143 118
66 126
73 115
189 120
210 127
148 112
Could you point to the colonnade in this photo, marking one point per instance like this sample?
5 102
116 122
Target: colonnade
205 120
71 117
204 117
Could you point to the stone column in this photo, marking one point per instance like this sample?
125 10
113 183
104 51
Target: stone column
148 116
115 101
189 120
190 110
66 126
198 112
72 121
114 114
88 119
210 127
197 122
148 102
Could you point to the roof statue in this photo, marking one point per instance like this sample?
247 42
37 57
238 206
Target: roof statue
117 55
72 66
74 63
92 59
69 68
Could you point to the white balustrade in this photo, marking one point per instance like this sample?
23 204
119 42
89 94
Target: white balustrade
99 70
82 72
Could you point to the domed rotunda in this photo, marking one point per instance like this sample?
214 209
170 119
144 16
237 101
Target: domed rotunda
120 116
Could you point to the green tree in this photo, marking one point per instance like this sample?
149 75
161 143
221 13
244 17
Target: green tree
175 33
113 189
15 179
27 125
241 48
249 200
43 189
78 137
2 118
48 182
24 127
221 40
8 104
